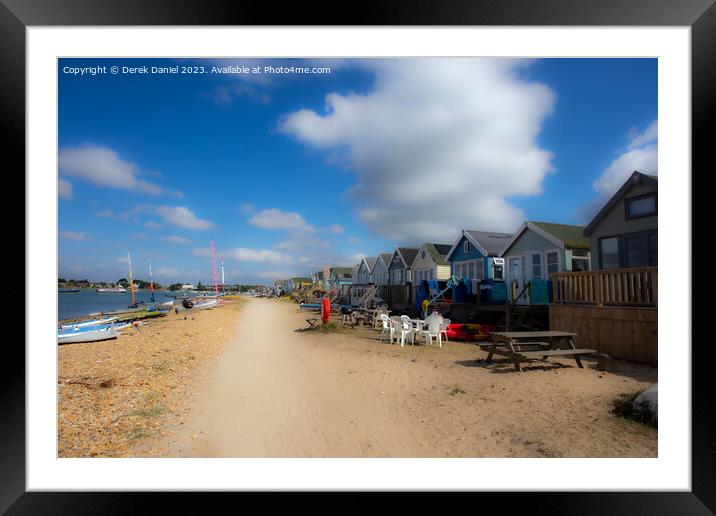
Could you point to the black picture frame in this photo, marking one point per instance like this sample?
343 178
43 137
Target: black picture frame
17 15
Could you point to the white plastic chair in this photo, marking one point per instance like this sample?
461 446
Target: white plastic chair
433 323
444 329
406 329
397 324
387 327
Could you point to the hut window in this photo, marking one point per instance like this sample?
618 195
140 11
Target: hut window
537 266
641 206
609 253
479 269
466 247
552 263
498 271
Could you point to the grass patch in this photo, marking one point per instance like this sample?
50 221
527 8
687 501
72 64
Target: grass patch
150 411
328 327
152 408
457 390
623 406
137 432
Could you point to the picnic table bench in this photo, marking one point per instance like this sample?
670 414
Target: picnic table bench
525 346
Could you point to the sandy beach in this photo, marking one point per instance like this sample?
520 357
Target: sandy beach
279 391
117 394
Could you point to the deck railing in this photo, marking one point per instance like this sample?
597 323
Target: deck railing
615 287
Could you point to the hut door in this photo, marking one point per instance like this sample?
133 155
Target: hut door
517 279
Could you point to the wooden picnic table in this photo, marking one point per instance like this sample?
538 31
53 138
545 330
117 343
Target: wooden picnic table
524 346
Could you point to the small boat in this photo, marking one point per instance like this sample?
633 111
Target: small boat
205 304
112 290
87 336
73 330
146 314
90 322
68 290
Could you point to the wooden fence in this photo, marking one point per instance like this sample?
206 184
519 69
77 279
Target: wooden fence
626 332
395 295
614 287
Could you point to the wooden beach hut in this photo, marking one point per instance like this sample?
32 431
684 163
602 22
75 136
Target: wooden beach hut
475 258
539 249
624 234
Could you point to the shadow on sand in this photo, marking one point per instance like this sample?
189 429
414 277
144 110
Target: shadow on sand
506 365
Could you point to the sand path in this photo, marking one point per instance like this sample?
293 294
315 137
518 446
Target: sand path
275 395
276 392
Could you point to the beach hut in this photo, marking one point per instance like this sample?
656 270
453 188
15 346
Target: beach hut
379 273
538 249
430 265
400 265
399 275
625 231
475 259
364 275
341 276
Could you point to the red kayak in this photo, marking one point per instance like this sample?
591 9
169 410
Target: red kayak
469 332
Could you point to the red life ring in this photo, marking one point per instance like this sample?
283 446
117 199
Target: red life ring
325 310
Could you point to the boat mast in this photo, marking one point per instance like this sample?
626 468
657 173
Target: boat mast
151 281
213 264
223 288
131 282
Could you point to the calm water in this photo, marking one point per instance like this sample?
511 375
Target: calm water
88 300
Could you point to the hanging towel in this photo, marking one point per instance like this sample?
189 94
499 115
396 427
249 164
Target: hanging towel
475 285
539 294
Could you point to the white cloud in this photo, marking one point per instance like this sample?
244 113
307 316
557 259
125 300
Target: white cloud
299 241
437 145
649 135
73 235
169 272
106 214
274 219
64 189
183 217
336 229
243 254
174 239
103 166
225 95
141 236
247 208
153 225
201 252
275 275
353 240
641 155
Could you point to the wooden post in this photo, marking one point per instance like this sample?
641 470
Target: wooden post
655 286
555 289
599 297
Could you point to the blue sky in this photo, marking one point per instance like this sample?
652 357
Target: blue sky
288 172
